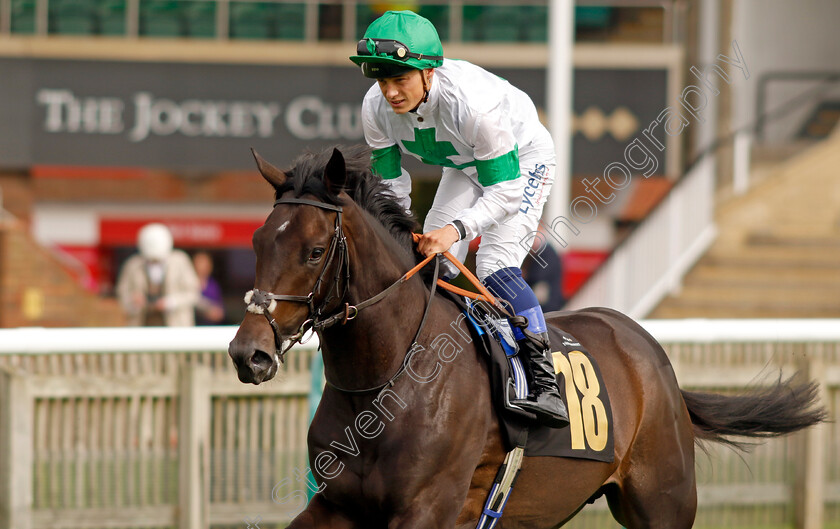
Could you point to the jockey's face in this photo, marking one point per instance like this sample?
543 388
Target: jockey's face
405 92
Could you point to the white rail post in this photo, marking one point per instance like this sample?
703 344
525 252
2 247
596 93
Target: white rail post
741 163
559 100
194 447
676 244
809 490
16 435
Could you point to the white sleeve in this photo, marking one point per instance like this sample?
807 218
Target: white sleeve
498 203
385 156
401 187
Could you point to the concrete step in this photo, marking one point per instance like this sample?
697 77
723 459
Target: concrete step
669 310
771 155
778 250
788 238
759 256
780 295
763 277
764 282
683 308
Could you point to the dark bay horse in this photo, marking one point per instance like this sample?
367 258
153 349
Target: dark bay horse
406 436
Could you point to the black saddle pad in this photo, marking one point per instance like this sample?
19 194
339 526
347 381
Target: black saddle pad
589 434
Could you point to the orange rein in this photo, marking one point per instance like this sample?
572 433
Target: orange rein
483 294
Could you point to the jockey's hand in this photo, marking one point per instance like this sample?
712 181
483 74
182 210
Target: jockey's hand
438 241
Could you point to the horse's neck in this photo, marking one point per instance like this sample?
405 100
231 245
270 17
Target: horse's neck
368 349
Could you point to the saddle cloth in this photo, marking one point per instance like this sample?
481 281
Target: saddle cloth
589 434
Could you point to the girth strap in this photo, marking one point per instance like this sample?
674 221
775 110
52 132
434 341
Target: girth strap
502 487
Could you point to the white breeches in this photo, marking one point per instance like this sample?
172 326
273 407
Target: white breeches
506 244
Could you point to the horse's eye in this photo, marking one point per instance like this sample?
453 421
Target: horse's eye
316 254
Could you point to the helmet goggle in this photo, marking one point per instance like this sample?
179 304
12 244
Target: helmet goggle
392 48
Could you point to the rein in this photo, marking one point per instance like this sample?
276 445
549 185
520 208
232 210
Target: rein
263 302
412 349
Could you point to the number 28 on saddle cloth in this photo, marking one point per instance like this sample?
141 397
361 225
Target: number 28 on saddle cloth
589 434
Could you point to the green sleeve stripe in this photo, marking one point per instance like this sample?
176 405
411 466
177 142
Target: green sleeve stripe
500 169
386 162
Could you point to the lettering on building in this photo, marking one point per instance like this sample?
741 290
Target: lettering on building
306 117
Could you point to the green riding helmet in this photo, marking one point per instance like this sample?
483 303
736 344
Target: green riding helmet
398 42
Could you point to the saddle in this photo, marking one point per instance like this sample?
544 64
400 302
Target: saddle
589 434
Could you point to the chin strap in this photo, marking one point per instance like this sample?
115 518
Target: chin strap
425 93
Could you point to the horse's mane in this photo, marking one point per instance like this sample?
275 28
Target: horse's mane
367 190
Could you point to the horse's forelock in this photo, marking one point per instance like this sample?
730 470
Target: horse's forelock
367 190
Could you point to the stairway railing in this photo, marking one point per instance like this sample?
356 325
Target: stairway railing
651 262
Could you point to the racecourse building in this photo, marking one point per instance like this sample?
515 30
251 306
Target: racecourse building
116 113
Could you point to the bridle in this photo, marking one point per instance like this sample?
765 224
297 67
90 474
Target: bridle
263 302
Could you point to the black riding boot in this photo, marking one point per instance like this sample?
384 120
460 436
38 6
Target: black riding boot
544 396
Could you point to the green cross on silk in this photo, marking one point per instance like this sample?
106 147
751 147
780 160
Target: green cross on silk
431 151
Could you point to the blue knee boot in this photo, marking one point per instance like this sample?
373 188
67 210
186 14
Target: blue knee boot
534 348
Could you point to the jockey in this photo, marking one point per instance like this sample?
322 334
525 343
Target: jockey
498 167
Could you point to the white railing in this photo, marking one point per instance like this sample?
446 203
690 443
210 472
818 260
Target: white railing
86 340
104 427
652 261
743 331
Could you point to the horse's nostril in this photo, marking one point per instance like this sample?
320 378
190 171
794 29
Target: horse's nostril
261 361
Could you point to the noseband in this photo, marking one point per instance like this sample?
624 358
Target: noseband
262 302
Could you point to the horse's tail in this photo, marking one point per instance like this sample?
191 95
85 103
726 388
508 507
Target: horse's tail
781 408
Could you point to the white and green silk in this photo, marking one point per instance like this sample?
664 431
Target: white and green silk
483 131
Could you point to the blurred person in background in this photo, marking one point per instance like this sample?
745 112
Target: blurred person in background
210 307
545 275
158 286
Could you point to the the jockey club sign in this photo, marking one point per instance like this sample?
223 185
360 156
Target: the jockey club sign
205 117
306 117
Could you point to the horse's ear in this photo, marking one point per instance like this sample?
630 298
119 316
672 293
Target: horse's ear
335 174
273 175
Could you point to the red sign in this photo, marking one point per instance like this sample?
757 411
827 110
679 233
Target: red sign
186 232
82 262
578 265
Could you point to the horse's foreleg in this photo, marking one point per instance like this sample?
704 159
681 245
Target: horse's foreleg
320 514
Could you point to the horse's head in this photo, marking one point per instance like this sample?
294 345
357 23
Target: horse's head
301 268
